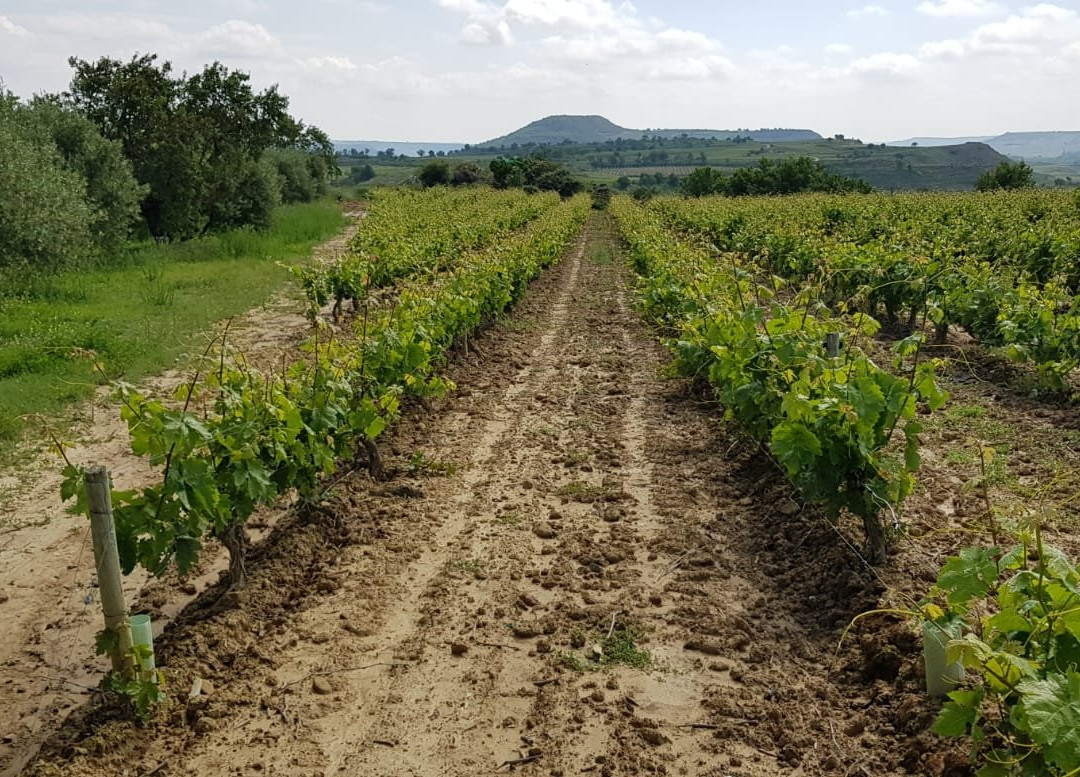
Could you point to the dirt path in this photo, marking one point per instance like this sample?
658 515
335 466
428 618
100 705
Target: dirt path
575 570
47 580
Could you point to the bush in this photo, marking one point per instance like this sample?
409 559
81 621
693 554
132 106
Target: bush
601 197
1007 175
111 189
464 174
436 173
45 212
295 180
702 182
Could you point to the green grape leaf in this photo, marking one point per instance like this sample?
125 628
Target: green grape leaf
1049 710
969 575
958 714
795 446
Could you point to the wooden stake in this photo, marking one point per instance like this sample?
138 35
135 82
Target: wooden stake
107 560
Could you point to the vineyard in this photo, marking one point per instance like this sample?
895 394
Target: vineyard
696 486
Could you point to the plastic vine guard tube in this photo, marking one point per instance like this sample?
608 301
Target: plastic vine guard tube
940 677
142 634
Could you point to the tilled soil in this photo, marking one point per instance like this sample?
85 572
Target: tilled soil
576 568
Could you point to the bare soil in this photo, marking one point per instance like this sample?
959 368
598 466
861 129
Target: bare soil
576 568
48 604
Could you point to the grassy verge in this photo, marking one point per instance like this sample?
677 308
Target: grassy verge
140 314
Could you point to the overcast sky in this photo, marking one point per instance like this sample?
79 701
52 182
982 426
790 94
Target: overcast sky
470 70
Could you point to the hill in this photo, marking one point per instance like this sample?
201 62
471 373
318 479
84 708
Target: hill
1035 145
1019 145
931 142
555 130
883 167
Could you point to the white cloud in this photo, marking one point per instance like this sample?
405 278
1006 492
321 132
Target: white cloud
867 10
11 28
237 38
697 69
242 6
958 7
885 64
612 40
110 27
1036 32
585 14
486 31
492 23
838 49
332 64
942 49
685 40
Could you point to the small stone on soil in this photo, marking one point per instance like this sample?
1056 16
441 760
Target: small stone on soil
653 737
321 686
457 648
544 531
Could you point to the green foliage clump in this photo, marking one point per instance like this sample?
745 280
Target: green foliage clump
45 214
435 173
199 142
1017 612
533 173
67 195
1007 175
465 174
703 181
788 176
601 197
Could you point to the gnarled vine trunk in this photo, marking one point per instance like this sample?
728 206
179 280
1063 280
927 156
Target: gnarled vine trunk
375 463
877 538
236 541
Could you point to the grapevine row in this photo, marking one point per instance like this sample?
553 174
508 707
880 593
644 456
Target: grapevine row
828 421
1003 267
408 233
264 434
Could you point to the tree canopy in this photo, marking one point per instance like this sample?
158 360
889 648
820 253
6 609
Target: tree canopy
787 176
1007 175
67 195
533 172
199 142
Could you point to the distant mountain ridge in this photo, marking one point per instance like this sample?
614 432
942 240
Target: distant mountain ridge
553 130
1020 145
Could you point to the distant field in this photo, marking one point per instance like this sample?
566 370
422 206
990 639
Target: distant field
885 167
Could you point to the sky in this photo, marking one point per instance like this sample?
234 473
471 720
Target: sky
471 70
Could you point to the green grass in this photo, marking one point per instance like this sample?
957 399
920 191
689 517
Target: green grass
600 255
139 315
621 647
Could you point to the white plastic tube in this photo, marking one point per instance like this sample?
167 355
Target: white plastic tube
940 676
142 634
